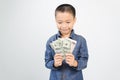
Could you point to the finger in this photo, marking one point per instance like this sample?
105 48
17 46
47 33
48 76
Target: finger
58 58
68 60
69 55
58 54
59 64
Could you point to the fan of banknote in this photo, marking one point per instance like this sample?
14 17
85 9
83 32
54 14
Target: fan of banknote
63 46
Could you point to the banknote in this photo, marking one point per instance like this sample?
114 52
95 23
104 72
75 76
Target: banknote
63 46
73 44
66 46
57 46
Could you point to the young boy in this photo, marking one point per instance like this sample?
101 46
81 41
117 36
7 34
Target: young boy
71 67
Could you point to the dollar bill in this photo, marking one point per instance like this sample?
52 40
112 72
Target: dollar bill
73 44
66 46
63 46
57 46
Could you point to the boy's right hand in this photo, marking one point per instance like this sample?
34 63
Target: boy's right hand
58 58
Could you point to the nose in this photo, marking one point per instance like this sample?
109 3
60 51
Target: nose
64 25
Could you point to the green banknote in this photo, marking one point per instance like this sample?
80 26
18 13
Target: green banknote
63 46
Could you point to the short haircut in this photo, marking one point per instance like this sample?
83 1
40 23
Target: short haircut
66 8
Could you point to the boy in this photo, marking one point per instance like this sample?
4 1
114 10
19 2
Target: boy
71 67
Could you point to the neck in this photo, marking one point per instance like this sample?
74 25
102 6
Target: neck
65 35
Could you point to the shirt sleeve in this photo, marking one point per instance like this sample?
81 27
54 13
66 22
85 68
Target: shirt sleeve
49 57
83 56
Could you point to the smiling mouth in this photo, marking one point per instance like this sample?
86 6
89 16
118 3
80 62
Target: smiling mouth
64 29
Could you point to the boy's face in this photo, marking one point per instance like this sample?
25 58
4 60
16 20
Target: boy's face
65 22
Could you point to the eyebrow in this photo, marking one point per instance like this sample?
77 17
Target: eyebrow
61 20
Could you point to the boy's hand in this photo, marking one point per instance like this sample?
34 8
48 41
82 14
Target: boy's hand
70 59
58 58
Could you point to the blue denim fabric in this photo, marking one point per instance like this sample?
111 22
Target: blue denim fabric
66 72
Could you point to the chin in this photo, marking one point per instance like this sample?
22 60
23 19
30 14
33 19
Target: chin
64 32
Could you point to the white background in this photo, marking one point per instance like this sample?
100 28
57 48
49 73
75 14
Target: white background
26 25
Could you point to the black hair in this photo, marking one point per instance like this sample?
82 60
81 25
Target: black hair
66 8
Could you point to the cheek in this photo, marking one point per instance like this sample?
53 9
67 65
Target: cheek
58 26
71 26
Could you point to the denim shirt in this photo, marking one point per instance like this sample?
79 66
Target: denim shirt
66 72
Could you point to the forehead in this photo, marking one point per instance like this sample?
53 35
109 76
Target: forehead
64 16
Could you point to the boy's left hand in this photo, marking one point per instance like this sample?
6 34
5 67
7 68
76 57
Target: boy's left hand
70 59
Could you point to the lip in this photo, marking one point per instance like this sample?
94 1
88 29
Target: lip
64 29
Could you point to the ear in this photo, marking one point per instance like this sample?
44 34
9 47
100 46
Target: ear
75 19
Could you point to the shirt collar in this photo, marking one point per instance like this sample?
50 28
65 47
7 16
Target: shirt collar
71 35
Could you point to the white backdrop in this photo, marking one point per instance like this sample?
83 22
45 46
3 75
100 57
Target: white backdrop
25 26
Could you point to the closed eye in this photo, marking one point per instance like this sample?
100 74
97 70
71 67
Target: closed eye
67 22
59 22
